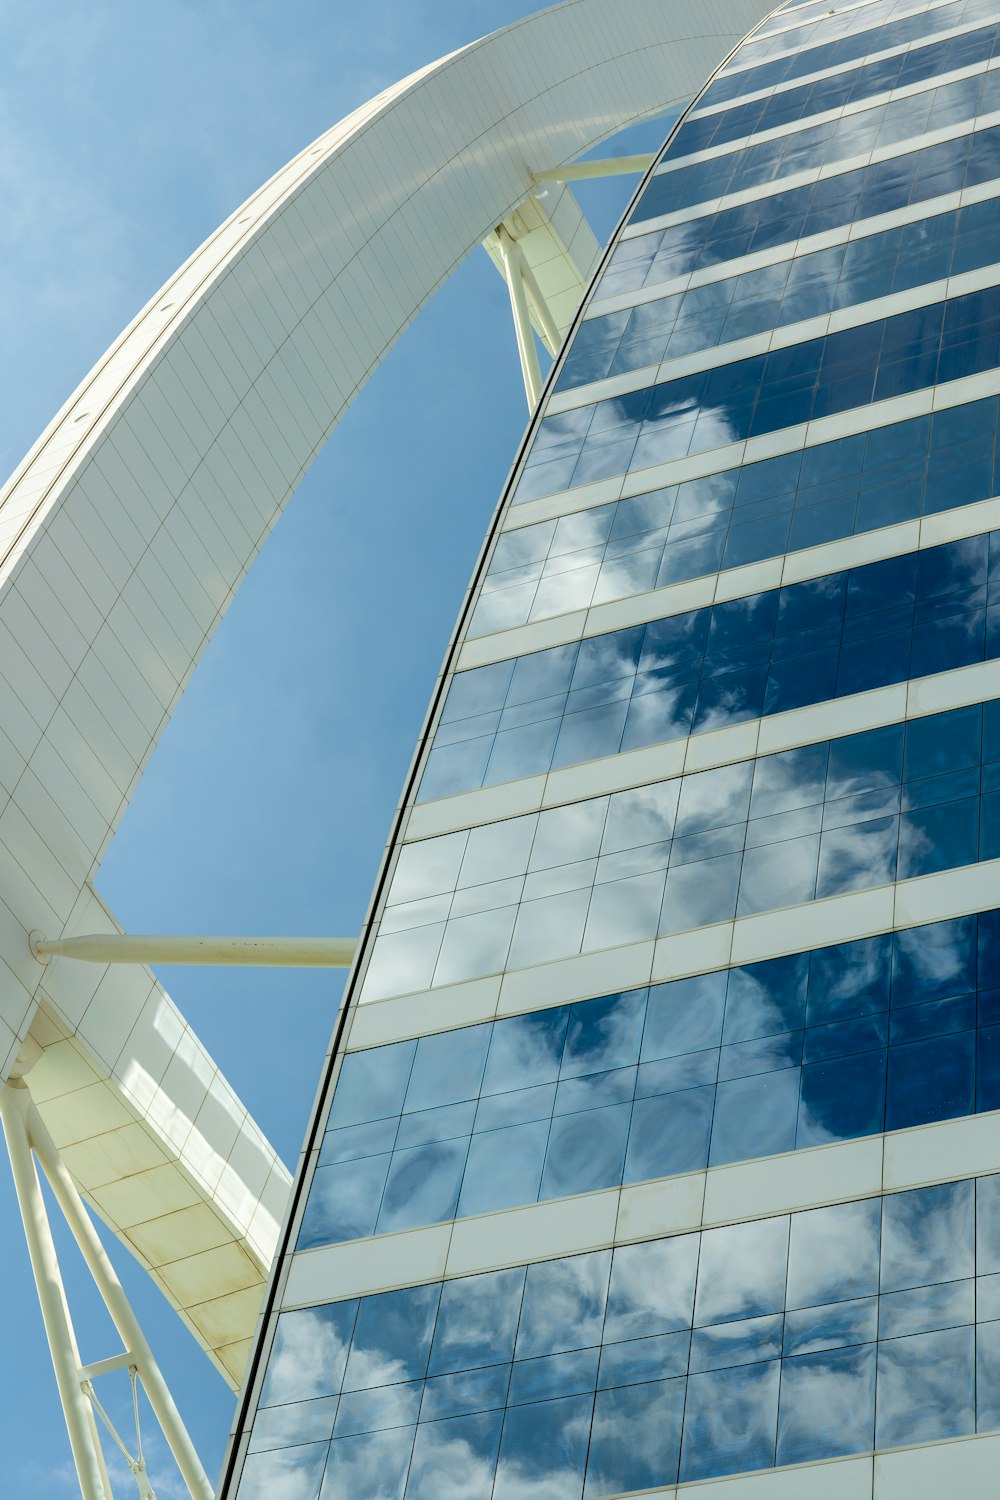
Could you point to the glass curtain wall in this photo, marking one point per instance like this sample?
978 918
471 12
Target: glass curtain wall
696 871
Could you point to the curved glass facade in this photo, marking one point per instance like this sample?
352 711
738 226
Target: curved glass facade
663 1140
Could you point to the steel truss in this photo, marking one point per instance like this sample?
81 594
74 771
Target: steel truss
28 1143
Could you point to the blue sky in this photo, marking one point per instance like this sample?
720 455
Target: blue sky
126 134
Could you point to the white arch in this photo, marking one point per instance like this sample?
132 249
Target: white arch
128 527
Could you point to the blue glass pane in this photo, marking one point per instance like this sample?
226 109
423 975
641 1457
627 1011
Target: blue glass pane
380 1407
636 1438
834 1254
466 1445
652 1288
926 1387
309 1354
564 1303
730 1421
827 1405
477 1321
544 1449
291 1471
928 1236
371 1466
392 1338
370 1087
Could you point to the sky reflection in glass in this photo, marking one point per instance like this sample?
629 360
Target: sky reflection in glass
767 653
802 59
884 1033
848 814
796 213
699 132
781 1341
889 357
807 286
813 146
785 504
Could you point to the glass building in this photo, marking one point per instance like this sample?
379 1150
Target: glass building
657 1143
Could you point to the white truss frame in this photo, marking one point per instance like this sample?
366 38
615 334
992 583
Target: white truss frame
28 1142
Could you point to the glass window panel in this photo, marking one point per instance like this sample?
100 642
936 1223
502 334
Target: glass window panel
988 1376
497 852
294 1473
932 962
344 1201
684 1016
428 868
526 1050
712 799
644 1359
371 1466
669 1134
927 1236
544 1449
549 928
392 1337
635 1438
504 1168
827 1405
371 1085
477 1321
738 1343
842 1097
988 1225
423 1185
925 1387
755 1116
564 1303
465 1446
355 1141
765 998
640 817
850 979
586 1151
604 1034
565 834
931 1080
442 1124
478 944
813 1329
698 894
741 1273
834 1253
551 1375
730 1421
923 1309
287 1426
652 1288
309 1354
382 1406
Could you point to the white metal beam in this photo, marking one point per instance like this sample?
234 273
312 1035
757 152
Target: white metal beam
148 948
59 1332
608 166
26 1133
513 265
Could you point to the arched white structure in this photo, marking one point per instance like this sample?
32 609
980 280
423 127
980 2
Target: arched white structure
128 527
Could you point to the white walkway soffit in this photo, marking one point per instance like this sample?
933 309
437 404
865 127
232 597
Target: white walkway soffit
130 524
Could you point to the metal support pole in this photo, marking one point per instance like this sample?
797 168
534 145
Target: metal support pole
118 1306
609 166
513 262
147 948
80 1424
550 333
